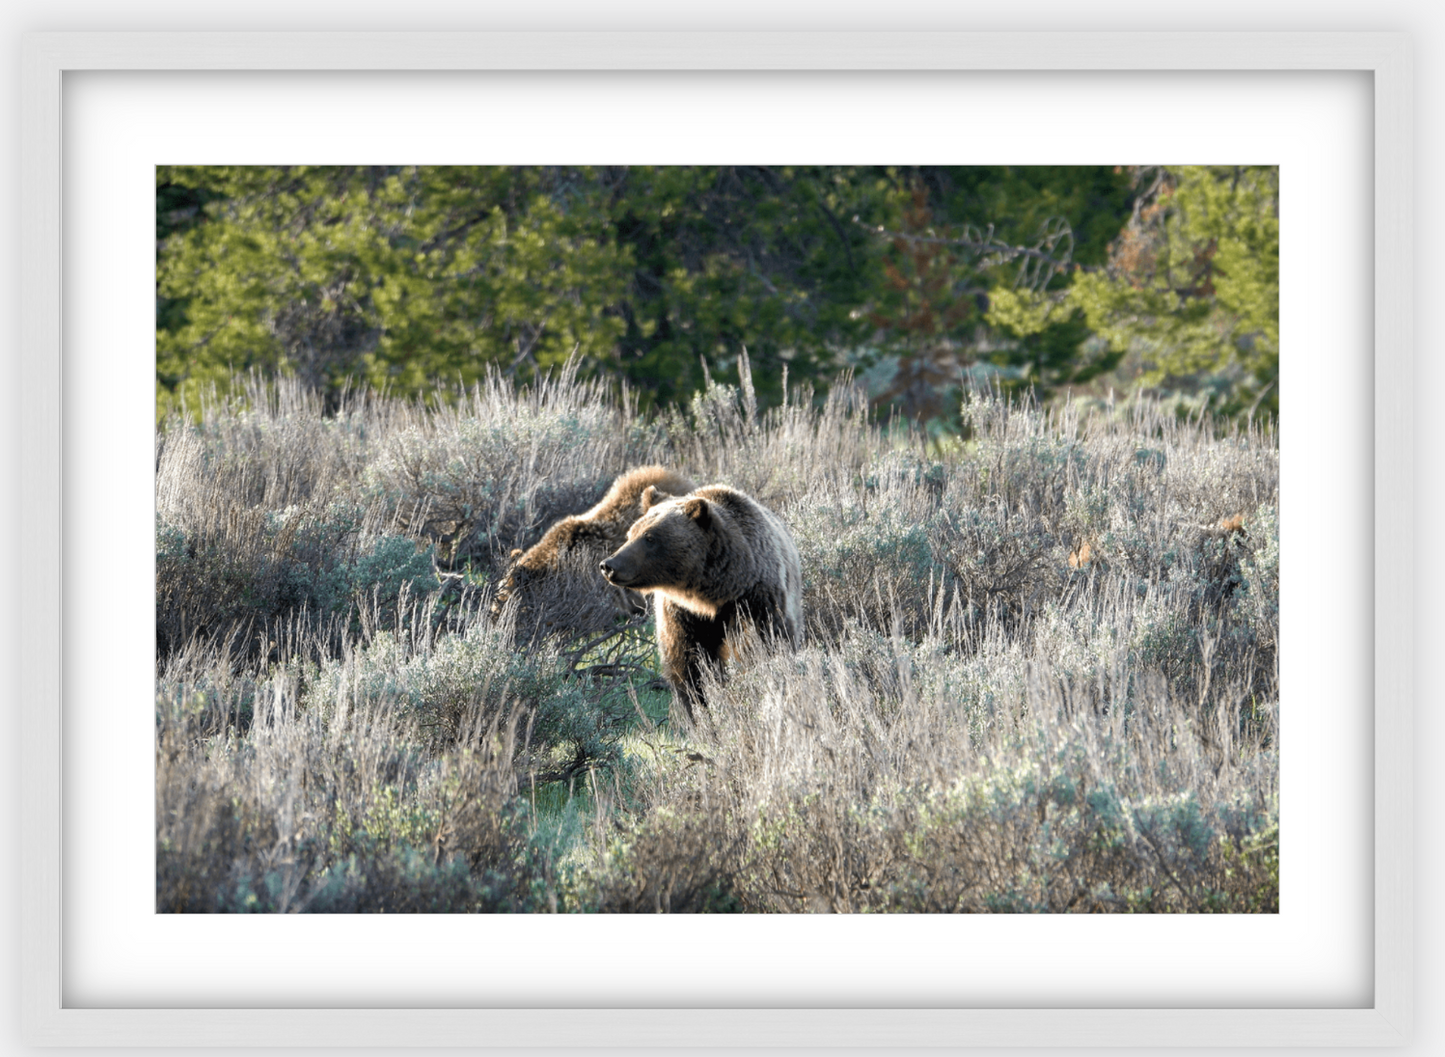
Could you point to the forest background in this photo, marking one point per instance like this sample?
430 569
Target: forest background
920 280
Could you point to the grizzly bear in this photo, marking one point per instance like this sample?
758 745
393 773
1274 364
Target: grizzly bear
574 545
719 563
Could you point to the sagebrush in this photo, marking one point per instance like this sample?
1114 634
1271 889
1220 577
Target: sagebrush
1039 674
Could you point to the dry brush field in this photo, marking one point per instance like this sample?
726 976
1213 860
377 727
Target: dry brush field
1039 672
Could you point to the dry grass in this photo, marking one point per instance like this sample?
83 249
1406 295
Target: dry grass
1039 675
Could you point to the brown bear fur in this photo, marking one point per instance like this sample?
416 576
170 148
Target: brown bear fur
720 563
582 540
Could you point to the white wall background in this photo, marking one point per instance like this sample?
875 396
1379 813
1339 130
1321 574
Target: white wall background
1418 17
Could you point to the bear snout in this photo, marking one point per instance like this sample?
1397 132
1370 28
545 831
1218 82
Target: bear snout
614 571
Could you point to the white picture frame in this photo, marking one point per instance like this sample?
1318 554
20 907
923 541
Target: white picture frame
47 57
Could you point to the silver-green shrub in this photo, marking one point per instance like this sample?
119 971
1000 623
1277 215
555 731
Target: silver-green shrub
1040 672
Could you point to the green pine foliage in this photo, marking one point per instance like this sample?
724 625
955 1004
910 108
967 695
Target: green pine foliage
400 279
1189 294
416 280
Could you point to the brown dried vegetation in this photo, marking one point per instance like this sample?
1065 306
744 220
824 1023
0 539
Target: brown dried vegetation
1032 681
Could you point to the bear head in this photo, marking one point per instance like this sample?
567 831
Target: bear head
666 548
535 576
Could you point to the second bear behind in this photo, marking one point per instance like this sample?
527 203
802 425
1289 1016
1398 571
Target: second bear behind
719 562
591 536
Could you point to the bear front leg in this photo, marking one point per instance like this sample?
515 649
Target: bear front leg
767 609
688 643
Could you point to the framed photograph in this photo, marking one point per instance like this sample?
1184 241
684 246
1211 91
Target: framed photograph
1328 116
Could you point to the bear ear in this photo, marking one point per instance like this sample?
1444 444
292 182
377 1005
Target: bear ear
651 496
697 509
516 552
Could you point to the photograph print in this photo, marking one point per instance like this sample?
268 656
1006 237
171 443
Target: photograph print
717 539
